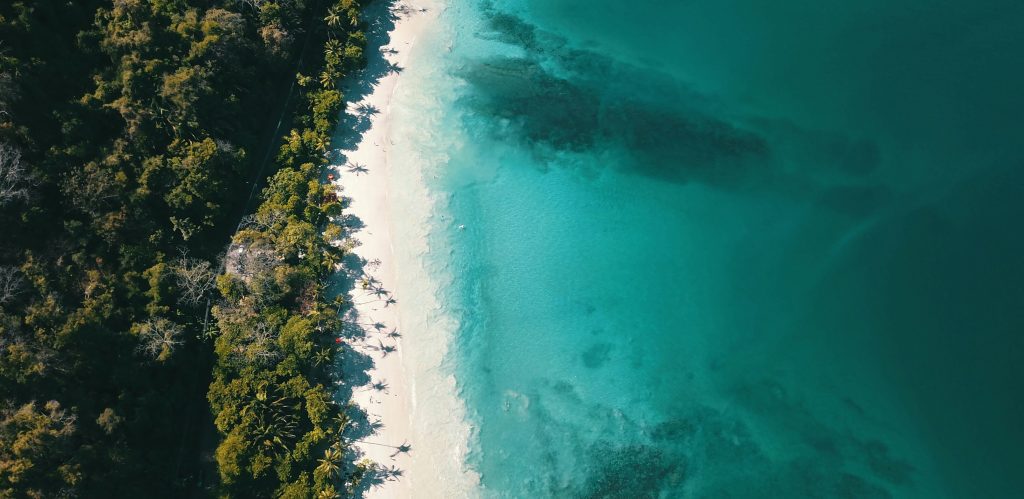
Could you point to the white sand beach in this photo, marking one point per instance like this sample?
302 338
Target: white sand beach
388 396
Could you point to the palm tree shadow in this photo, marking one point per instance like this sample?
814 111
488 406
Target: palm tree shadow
356 168
356 119
353 366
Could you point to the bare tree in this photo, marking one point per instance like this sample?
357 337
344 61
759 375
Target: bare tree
263 345
264 220
250 260
10 283
14 179
159 337
260 347
253 4
196 278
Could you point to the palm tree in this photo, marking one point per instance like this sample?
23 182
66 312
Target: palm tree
320 143
341 422
329 463
333 18
322 357
275 422
337 446
327 493
327 78
333 48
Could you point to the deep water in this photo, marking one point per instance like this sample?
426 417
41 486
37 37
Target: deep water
733 248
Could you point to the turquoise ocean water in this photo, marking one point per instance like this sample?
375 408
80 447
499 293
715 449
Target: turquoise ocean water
730 248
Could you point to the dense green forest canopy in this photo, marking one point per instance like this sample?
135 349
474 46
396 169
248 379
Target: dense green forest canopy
132 133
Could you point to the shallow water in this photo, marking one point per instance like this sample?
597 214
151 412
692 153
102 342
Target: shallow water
727 249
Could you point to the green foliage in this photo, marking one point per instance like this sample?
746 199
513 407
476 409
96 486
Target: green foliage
139 125
37 450
270 393
231 454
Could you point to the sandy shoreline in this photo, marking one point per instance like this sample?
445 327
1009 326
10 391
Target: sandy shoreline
386 396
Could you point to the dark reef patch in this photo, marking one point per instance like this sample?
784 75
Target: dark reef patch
556 97
569 99
522 100
597 451
634 471
544 109
596 356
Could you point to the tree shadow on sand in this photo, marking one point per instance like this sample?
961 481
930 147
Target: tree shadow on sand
360 334
381 17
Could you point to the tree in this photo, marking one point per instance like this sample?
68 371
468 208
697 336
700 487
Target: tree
109 421
329 463
7 93
94 189
333 49
327 492
183 89
10 283
196 171
249 261
158 338
275 421
327 79
196 278
341 422
14 178
322 357
36 451
124 131
333 18
253 4
231 456
260 347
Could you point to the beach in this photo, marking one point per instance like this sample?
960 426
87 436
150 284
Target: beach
394 351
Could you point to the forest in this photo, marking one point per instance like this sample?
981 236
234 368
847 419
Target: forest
165 243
